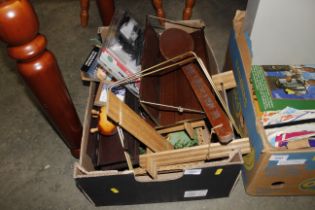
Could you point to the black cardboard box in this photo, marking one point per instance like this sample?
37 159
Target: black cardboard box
212 179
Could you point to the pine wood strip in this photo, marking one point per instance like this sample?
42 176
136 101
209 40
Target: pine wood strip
227 78
189 154
152 162
120 113
180 127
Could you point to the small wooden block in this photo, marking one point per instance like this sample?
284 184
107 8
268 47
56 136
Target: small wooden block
227 78
180 127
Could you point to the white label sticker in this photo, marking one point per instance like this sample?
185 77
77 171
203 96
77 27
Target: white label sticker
192 172
292 162
103 96
195 193
278 157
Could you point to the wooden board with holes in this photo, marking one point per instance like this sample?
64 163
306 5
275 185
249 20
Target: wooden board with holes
152 162
120 113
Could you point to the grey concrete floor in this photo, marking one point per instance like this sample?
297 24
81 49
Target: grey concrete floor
36 168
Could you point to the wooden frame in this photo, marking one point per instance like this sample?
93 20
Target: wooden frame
152 162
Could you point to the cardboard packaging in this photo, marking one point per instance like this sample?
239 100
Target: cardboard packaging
211 179
267 170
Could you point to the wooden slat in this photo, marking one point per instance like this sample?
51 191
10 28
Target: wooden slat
180 127
120 113
171 168
151 162
227 78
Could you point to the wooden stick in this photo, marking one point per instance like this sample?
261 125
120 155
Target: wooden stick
95 112
93 130
179 127
189 129
127 156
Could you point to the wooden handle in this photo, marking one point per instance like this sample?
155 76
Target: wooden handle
95 112
93 130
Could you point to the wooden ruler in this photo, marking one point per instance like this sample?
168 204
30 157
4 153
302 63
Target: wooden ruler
120 113
217 117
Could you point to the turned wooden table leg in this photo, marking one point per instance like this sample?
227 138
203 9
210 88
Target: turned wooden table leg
158 4
39 69
84 14
188 9
106 9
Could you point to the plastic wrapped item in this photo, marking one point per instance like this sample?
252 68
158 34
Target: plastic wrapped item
122 47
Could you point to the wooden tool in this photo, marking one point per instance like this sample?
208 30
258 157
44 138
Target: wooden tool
153 161
120 113
174 42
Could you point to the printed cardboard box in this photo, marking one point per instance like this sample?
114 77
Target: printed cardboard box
267 170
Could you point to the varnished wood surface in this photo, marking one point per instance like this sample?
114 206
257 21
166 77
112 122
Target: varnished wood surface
84 14
189 4
106 10
39 69
187 12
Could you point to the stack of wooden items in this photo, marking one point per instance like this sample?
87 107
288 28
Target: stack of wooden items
160 111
